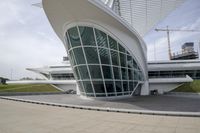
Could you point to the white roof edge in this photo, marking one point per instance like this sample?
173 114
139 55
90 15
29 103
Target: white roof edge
110 12
171 80
173 61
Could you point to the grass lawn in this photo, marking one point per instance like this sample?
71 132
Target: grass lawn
189 87
28 88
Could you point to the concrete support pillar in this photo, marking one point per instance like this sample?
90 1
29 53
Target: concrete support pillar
145 89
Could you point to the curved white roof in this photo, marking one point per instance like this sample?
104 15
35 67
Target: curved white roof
143 14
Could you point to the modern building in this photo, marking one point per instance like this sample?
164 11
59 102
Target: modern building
187 53
163 76
103 39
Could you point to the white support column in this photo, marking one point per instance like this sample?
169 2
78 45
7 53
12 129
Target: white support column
145 89
77 90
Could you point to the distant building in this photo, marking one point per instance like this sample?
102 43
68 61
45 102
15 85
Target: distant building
187 53
3 80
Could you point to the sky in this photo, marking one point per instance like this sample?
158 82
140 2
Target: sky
187 16
27 40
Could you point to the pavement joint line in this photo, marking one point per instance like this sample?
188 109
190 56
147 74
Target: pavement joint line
107 109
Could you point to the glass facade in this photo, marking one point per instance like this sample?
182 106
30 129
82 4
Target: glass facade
101 65
62 76
195 74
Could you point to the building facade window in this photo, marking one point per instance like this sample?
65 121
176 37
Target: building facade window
101 65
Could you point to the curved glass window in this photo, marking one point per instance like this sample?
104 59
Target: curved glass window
79 56
74 37
83 72
112 43
107 72
104 56
101 38
95 71
91 55
87 35
101 65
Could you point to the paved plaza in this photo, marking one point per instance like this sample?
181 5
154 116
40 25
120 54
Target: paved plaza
18 117
155 103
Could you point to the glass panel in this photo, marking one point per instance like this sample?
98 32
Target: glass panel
129 61
134 84
135 64
91 55
74 37
131 85
121 49
80 86
107 72
98 87
72 58
101 38
140 75
123 60
95 72
68 42
116 71
125 85
115 58
130 74
113 43
83 72
124 73
104 56
110 86
87 35
136 77
87 86
78 52
76 72
118 86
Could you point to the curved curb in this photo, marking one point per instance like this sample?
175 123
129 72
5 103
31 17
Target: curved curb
146 112
29 93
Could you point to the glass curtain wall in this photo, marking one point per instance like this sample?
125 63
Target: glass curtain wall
101 65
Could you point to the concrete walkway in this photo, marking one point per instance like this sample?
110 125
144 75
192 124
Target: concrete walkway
149 103
17 117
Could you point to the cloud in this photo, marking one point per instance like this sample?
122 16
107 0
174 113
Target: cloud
27 39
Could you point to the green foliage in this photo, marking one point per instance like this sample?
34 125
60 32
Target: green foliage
28 88
189 87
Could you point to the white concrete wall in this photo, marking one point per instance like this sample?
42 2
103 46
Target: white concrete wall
66 87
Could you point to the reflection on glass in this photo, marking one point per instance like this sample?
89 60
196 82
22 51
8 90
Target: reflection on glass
112 43
104 56
78 52
121 49
116 71
101 38
115 57
74 37
95 71
123 60
98 86
107 72
91 55
87 35
88 86
83 72
110 86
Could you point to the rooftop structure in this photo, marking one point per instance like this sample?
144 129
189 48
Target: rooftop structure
187 53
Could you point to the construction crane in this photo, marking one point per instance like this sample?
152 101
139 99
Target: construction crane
168 36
